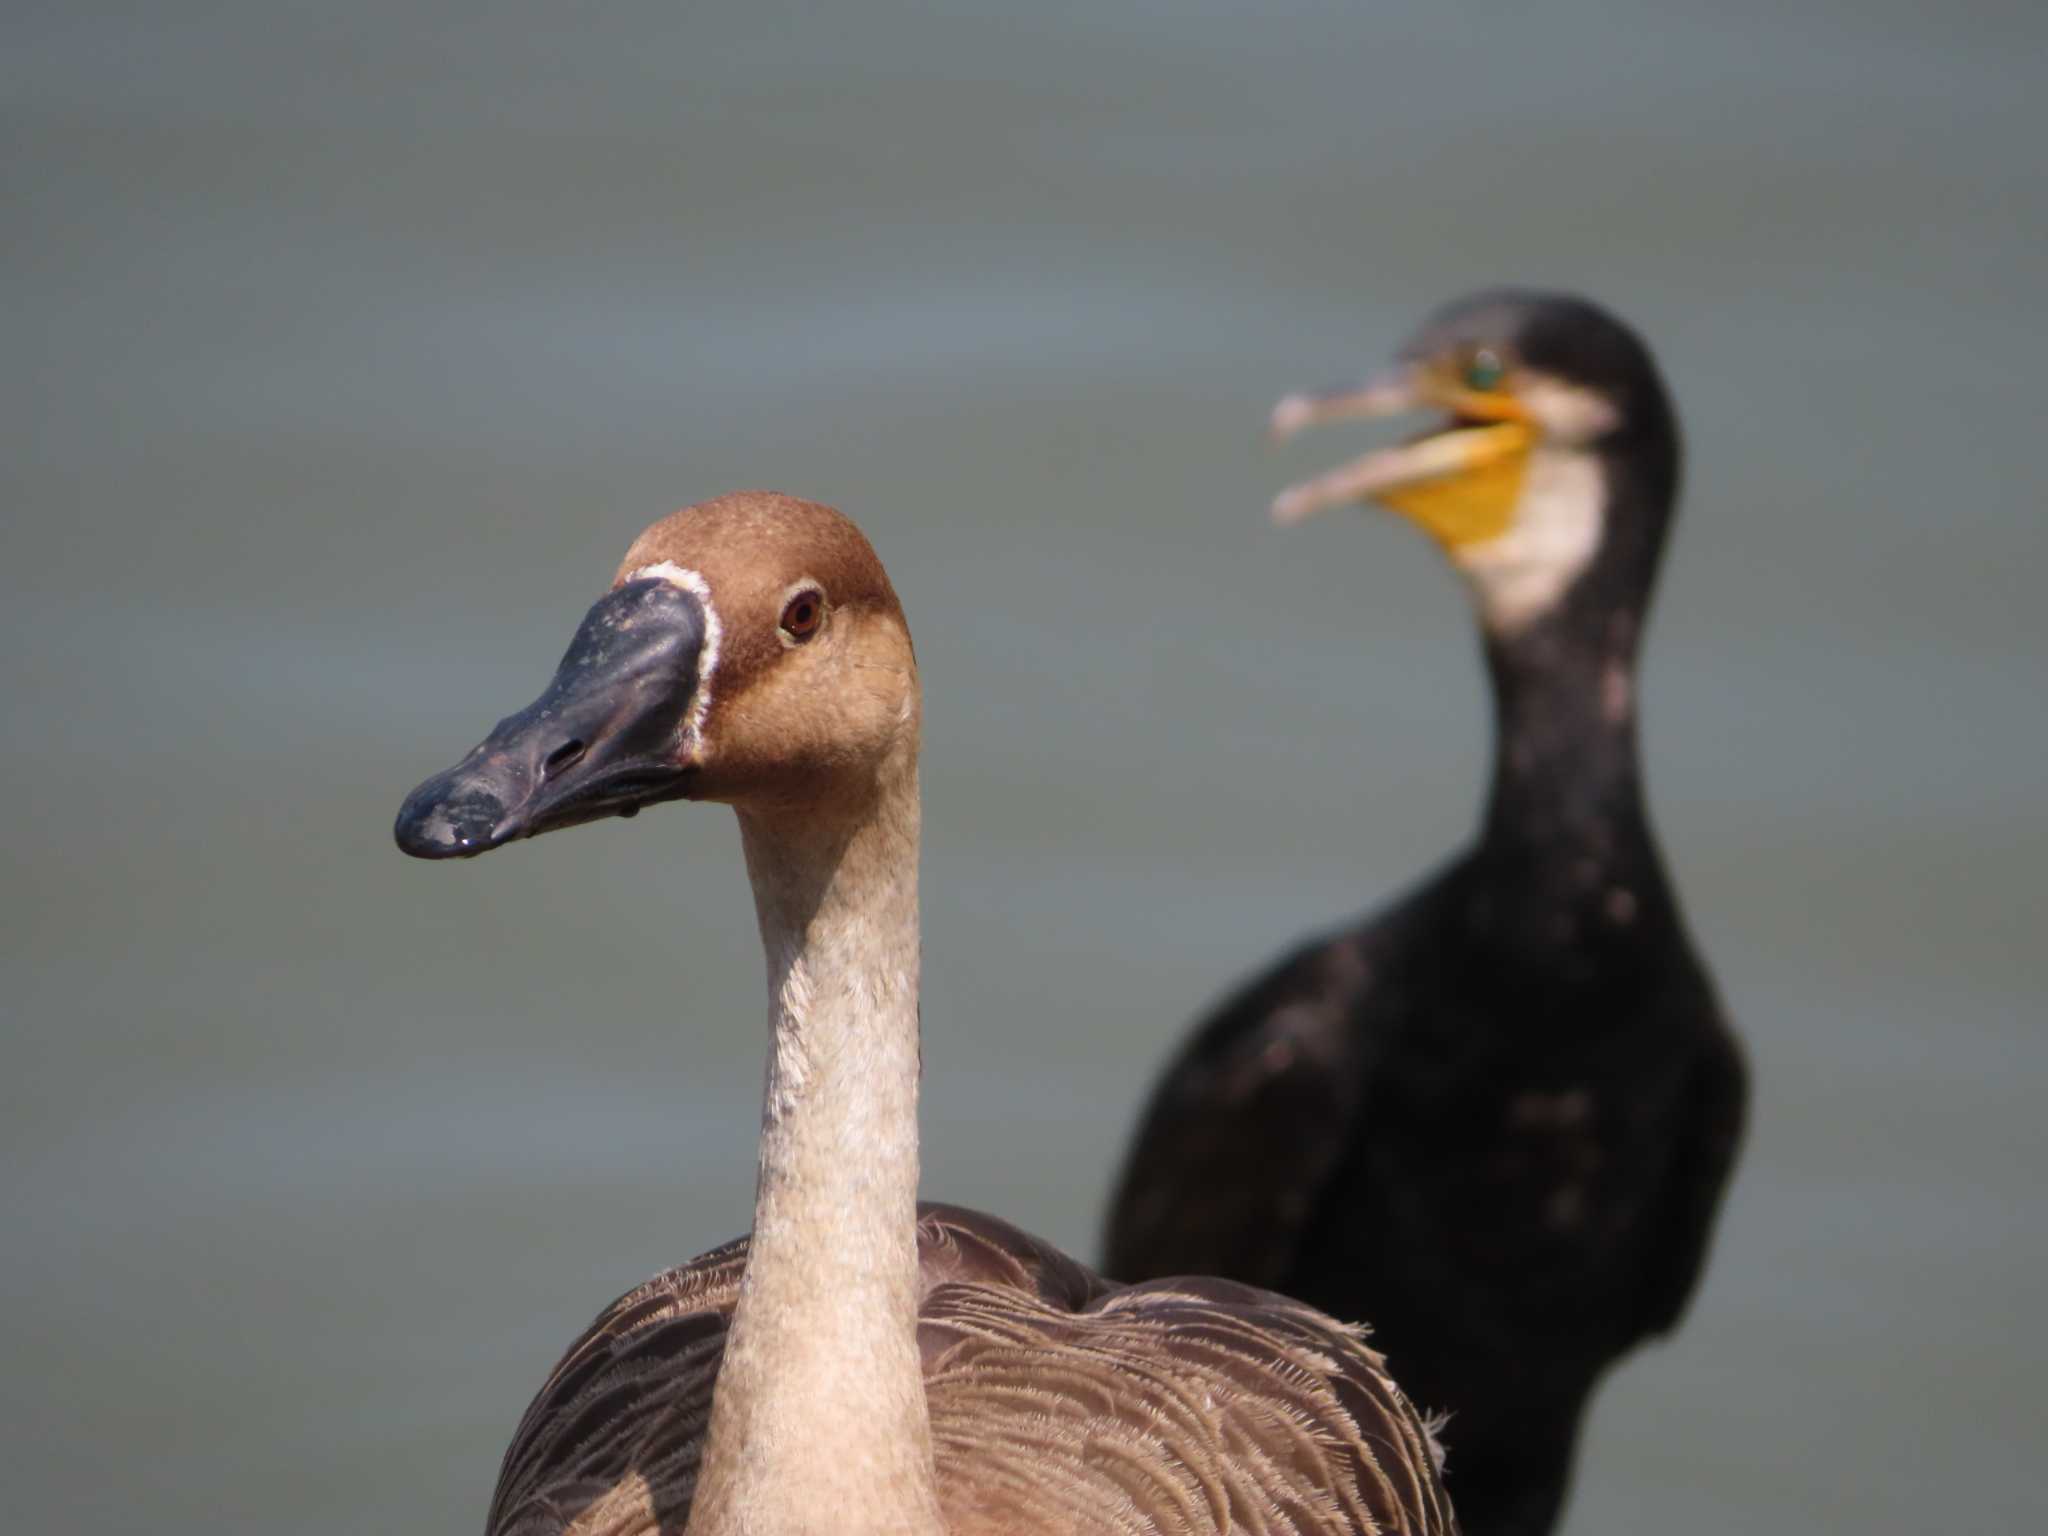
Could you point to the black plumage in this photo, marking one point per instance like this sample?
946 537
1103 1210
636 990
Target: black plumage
1496 1120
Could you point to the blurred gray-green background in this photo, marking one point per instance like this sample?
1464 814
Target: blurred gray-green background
345 347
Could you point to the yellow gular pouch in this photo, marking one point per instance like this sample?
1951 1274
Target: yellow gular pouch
1469 491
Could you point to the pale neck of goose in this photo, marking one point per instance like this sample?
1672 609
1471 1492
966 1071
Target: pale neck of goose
819 1410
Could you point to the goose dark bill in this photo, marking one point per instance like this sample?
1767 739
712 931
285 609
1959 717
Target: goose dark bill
603 740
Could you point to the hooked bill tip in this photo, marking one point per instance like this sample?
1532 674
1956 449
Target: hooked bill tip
1290 416
1296 504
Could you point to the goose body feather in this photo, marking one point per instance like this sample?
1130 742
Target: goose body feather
1060 1402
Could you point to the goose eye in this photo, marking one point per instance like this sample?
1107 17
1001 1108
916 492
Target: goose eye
1484 370
802 615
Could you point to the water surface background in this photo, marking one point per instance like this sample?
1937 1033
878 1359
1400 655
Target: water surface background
347 346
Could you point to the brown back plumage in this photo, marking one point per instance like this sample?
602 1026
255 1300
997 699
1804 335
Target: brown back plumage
1060 1403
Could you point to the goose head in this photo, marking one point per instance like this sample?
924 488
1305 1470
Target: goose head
750 651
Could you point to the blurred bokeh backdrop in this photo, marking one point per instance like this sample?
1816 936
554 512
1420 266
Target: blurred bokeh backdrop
345 348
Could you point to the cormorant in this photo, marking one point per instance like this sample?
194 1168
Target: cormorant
1496 1119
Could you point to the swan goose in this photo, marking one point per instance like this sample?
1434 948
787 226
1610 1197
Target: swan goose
860 1363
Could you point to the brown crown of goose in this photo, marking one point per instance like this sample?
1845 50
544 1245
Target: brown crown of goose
788 718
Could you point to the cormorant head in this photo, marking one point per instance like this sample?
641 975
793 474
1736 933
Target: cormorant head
1557 455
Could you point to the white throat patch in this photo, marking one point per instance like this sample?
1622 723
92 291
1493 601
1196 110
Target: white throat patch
694 583
1519 576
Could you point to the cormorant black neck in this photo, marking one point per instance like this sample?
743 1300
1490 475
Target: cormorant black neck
1565 817
1565 771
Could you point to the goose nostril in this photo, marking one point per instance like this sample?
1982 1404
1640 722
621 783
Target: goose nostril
567 755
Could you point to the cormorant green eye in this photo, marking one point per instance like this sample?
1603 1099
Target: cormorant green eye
1484 370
